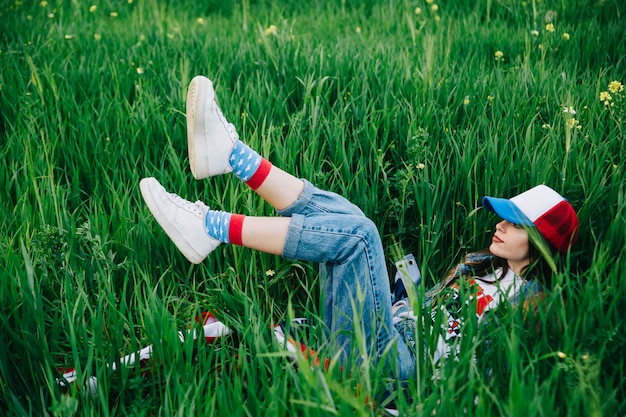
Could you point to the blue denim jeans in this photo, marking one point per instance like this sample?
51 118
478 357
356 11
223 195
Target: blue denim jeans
328 229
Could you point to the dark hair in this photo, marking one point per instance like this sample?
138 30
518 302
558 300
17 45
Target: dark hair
538 269
475 265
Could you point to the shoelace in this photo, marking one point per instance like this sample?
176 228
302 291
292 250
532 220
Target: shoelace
197 207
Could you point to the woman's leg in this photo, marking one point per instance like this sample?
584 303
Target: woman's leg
214 148
280 189
327 229
197 231
265 234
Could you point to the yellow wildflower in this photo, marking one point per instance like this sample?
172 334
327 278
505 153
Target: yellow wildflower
550 27
616 87
434 7
358 29
561 355
44 4
271 30
605 98
418 10
97 36
499 55
573 123
270 272
113 14
534 32
200 21
421 166
93 8
466 101
566 36
139 70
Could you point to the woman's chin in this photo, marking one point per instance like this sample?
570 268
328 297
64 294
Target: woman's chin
493 248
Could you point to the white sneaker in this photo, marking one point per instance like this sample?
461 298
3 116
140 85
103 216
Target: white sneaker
182 220
211 138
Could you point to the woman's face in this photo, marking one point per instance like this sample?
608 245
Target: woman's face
510 242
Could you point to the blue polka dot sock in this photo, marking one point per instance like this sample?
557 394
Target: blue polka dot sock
245 161
225 227
217 224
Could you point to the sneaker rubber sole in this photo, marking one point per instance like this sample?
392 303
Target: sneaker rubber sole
210 137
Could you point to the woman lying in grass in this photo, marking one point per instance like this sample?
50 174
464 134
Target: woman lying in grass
323 227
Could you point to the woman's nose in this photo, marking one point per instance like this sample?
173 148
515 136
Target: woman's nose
501 225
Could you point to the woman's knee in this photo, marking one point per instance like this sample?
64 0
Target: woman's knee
362 236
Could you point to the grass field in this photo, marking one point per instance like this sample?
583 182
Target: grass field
411 109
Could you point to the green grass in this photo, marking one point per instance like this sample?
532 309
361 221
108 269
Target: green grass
352 95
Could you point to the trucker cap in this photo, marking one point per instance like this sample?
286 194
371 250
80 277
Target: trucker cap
543 208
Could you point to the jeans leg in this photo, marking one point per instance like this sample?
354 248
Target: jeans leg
355 282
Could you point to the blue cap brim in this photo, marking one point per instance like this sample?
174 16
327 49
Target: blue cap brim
507 210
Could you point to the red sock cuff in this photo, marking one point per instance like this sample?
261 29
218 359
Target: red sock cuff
235 229
259 176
